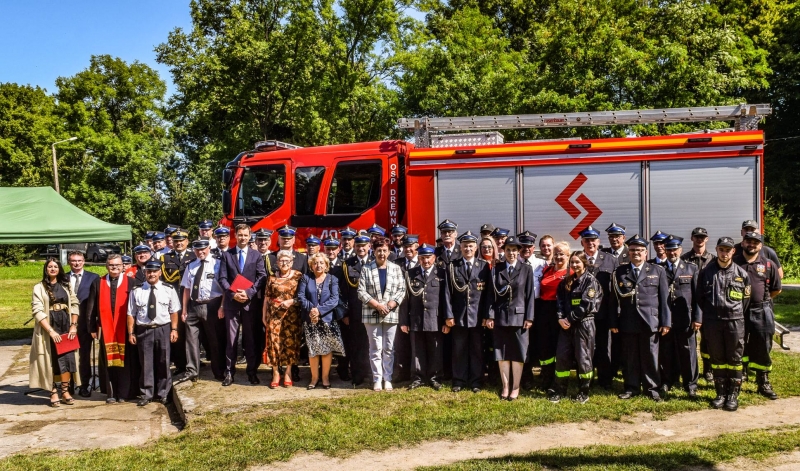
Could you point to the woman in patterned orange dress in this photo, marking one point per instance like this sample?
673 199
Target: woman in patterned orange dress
282 319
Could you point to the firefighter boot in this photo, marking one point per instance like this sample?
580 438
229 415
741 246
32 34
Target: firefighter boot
764 387
583 392
720 385
734 386
547 376
558 391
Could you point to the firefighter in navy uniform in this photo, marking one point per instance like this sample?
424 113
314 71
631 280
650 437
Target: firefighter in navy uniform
286 242
616 242
641 297
767 251
607 351
760 319
347 245
263 241
357 345
578 299
398 232
402 341
723 295
424 318
702 258
658 240
469 277
141 255
450 249
678 349
174 263
223 237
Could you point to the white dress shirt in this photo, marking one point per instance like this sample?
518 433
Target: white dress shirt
209 287
167 302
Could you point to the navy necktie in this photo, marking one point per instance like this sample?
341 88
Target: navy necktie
151 304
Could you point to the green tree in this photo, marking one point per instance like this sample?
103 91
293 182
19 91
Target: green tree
112 170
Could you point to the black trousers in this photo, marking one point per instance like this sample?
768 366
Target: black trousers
402 357
233 319
200 323
725 346
153 344
641 361
677 357
115 381
608 353
759 330
259 330
427 355
704 355
85 352
358 352
467 356
575 346
343 362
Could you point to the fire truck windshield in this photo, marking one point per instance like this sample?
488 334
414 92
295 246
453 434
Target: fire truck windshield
261 191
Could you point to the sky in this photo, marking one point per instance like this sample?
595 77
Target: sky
43 40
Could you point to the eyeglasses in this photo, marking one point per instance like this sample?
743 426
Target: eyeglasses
116 265
284 262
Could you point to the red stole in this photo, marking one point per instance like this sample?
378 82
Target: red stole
114 321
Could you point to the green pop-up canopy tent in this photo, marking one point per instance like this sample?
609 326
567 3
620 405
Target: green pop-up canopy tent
41 216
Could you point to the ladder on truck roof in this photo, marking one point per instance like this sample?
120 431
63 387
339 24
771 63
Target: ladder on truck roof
745 116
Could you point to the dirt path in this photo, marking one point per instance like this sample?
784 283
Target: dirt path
28 424
637 430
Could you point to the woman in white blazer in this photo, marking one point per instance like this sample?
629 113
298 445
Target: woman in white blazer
381 289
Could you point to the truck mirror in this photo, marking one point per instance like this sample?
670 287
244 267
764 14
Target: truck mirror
227 176
226 201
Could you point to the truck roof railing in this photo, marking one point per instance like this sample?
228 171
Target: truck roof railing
745 117
269 146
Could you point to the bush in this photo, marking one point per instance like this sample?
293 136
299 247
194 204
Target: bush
11 255
778 234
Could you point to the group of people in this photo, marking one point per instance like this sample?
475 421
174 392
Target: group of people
463 305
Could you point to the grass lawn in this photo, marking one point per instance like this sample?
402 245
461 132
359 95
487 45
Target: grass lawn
787 307
265 433
16 287
756 445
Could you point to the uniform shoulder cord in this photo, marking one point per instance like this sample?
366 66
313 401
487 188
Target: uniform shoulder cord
616 287
507 289
410 289
170 278
347 276
267 265
460 289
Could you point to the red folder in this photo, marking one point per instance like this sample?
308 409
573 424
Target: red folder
66 345
241 282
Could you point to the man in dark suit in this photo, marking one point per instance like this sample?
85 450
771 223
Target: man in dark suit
678 349
616 242
83 283
607 352
469 278
263 242
641 297
347 244
402 342
658 240
286 239
450 249
357 343
398 234
238 306
424 318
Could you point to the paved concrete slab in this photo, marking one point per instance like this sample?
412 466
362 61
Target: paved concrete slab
28 424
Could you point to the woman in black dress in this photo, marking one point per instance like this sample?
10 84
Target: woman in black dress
511 315
55 308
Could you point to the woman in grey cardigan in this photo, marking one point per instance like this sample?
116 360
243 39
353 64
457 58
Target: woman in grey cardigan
381 289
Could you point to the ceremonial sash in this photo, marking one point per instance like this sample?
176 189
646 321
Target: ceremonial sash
114 320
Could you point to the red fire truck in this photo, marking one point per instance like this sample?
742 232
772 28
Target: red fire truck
671 183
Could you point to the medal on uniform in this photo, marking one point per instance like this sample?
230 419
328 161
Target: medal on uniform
479 285
591 293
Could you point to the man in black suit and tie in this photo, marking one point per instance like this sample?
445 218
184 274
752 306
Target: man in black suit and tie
357 343
83 283
468 279
402 342
640 313
678 349
240 260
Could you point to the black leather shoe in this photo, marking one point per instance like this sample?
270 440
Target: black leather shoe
228 380
165 401
436 385
143 402
627 395
476 390
414 385
456 389
186 378
253 379
84 392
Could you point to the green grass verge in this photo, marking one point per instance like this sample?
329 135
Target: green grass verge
16 287
787 307
756 445
261 434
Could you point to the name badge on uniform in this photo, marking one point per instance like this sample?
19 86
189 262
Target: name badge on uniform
209 276
735 294
576 302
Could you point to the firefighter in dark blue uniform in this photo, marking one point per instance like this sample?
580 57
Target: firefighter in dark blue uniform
357 343
616 242
402 341
723 295
607 350
701 257
658 240
640 313
678 349
398 233
174 263
424 318
223 236
765 285
469 278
